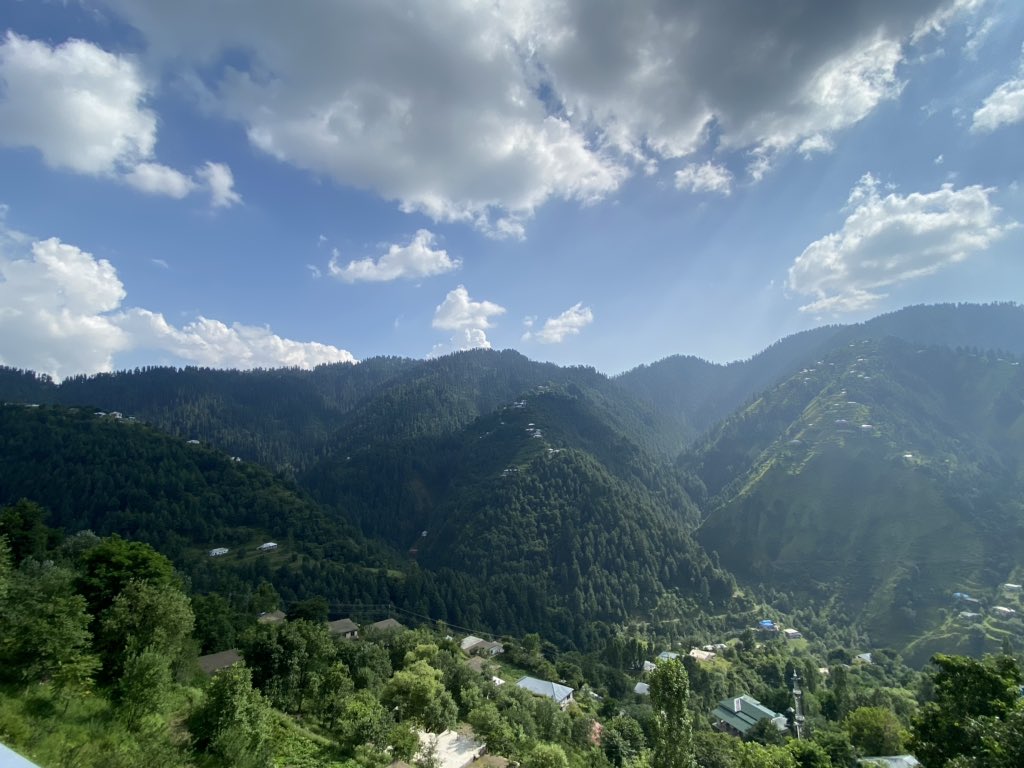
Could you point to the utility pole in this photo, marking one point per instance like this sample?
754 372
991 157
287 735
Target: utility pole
797 716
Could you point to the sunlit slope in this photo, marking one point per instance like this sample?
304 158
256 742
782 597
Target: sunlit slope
886 475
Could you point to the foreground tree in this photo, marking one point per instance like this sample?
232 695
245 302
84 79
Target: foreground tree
234 721
673 729
967 694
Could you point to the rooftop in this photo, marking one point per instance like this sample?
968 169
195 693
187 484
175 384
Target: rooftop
554 691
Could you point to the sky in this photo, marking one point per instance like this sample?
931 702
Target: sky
262 184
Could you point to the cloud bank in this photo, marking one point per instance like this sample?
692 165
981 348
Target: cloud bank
62 312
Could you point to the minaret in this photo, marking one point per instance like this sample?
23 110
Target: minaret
798 705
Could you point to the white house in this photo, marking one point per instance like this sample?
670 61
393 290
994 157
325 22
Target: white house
1000 610
269 546
219 551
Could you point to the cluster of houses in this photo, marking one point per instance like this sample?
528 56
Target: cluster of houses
267 546
974 607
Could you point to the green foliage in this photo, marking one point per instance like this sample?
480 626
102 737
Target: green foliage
145 617
673 727
417 694
106 569
546 756
967 694
290 662
144 685
876 731
234 720
46 629
22 525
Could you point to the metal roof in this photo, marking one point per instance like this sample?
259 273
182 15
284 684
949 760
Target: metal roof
545 688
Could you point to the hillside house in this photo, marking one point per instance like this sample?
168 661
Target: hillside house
792 634
219 551
1012 587
642 689
387 625
268 546
767 625
863 658
212 663
702 655
667 656
193 441
650 666
1003 611
560 694
893 761
271 617
738 715
344 627
969 615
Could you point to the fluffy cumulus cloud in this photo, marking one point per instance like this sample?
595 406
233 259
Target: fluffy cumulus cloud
84 110
557 329
61 313
1004 106
417 258
467 318
707 177
888 238
481 112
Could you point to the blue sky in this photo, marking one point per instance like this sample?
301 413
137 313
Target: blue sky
293 184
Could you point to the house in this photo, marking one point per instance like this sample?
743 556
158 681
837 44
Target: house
1012 587
767 625
271 617
488 648
193 442
212 663
791 634
344 627
895 761
268 546
387 625
219 551
716 647
969 615
863 658
650 666
560 694
497 680
1003 611
701 655
667 656
642 689
961 596
738 715
469 642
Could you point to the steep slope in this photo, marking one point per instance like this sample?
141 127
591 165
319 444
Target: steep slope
116 476
694 394
885 478
559 518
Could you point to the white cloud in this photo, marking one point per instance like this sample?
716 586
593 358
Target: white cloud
468 319
156 179
557 329
84 110
482 112
221 184
888 239
706 177
1004 106
61 313
81 107
418 258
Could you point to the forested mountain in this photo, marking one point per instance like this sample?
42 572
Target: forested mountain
694 394
494 491
544 504
884 478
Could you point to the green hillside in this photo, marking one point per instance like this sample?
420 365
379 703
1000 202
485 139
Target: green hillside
887 477
552 512
693 394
